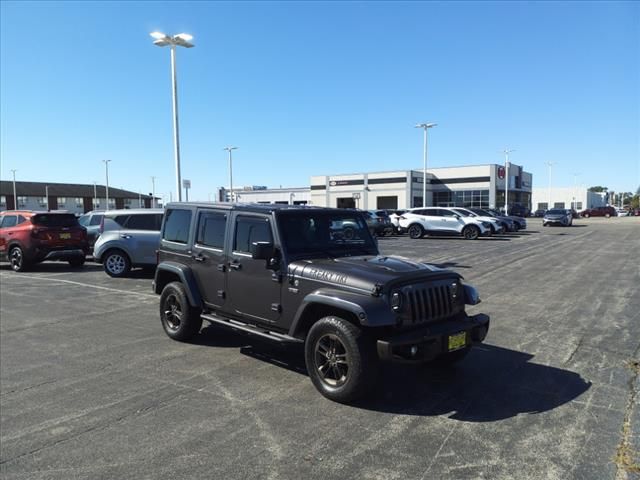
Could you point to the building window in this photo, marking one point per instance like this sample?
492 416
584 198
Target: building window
388 203
96 203
112 203
42 202
558 205
22 202
79 202
62 202
578 205
3 200
127 202
543 206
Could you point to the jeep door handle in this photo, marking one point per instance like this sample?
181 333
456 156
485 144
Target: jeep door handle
235 266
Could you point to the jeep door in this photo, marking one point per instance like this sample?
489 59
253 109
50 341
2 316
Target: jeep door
253 289
208 255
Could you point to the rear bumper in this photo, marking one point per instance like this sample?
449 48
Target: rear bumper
41 253
431 341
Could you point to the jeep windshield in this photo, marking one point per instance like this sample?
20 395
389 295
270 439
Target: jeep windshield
325 234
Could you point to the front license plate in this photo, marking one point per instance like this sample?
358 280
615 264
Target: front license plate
457 341
65 236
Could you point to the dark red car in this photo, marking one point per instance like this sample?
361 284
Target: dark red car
28 237
599 212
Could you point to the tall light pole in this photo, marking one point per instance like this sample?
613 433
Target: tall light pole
549 164
425 126
229 149
575 191
46 194
106 173
179 40
95 195
153 192
506 152
15 197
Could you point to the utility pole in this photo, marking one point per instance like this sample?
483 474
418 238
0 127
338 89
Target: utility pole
153 192
15 197
425 126
229 149
549 164
506 152
106 170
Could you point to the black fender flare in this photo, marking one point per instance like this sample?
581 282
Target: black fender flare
369 310
186 277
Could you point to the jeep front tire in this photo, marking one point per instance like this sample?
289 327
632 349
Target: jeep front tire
341 359
179 319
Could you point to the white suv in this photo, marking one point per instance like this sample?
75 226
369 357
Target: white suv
441 221
494 223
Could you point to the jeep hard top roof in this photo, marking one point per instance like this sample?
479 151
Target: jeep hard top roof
253 207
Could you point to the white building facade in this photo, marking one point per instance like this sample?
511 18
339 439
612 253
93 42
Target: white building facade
578 198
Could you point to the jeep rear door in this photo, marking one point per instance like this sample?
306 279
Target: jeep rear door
208 257
253 290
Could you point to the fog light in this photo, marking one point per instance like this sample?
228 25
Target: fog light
414 350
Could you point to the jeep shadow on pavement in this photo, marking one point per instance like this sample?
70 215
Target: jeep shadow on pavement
311 277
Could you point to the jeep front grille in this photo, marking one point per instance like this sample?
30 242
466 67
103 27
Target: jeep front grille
430 303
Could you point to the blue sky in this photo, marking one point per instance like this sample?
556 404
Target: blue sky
319 88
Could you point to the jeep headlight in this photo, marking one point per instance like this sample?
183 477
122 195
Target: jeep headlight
396 301
471 295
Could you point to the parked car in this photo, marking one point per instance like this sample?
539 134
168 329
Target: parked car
573 213
539 213
509 224
379 222
441 221
286 274
394 217
28 237
91 221
557 216
518 210
495 224
622 212
599 212
521 222
128 238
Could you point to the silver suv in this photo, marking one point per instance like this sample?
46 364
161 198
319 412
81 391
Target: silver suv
128 238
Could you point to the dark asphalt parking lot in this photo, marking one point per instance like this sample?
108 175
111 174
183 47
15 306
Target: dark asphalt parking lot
92 388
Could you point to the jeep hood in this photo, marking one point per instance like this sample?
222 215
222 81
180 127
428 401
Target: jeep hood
366 272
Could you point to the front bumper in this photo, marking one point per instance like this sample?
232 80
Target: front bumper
551 221
433 340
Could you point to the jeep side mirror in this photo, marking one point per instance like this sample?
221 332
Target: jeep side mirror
262 250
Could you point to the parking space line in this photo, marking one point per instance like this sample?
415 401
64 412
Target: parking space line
98 287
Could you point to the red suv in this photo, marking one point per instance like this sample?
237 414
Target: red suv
599 212
28 237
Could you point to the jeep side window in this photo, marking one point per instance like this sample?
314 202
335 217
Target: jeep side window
95 220
249 230
211 229
176 226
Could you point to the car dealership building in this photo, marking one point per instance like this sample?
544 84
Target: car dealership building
470 186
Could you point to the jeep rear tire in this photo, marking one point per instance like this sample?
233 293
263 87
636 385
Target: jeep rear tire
179 319
470 232
341 359
416 231
116 263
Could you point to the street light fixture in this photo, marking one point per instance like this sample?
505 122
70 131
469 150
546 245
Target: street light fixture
506 152
106 172
229 149
425 126
180 40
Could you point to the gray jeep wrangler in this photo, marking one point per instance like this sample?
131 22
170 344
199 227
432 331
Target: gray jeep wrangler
312 276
